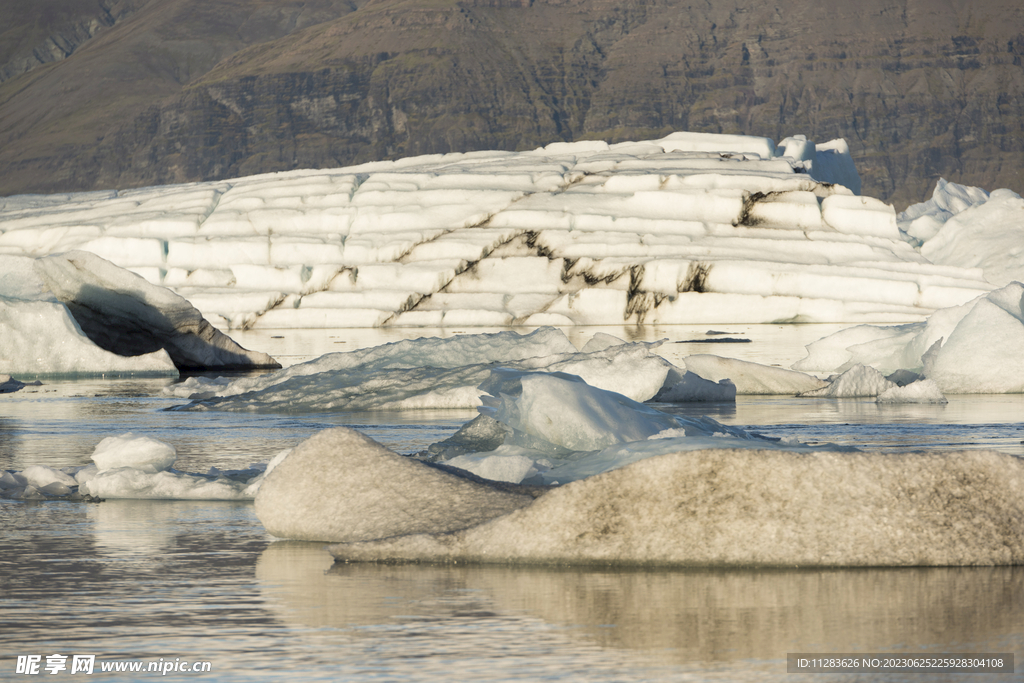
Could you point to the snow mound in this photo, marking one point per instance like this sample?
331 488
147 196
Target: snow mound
692 228
726 507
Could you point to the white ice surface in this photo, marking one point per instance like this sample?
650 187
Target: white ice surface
751 378
722 507
692 228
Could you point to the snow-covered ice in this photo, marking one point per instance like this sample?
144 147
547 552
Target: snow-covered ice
858 381
692 228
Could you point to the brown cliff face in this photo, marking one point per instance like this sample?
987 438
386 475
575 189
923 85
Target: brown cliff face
183 90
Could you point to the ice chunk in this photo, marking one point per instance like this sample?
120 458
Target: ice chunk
143 453
42 476
922 221
556 413
575 430
391 377
8 385
982 355
340 485
41 338
129 482
858 381
921 391
723 507
751 378
506 463
690 387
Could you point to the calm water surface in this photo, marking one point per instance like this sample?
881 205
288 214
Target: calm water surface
145 580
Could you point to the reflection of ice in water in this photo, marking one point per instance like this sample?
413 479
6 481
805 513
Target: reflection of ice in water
127 528
740 621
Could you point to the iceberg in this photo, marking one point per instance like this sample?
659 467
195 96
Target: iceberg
969 227
342 485
76 313
968 349
691 228
725 507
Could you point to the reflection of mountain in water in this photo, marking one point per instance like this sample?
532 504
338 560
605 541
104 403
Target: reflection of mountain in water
677 616
196 90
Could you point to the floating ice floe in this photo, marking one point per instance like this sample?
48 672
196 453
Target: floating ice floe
130 466
76 313
446 373
970 349
692 228
8 385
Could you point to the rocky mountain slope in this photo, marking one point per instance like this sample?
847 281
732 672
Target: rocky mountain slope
182 90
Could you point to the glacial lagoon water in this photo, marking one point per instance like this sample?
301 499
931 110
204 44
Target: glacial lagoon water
202 581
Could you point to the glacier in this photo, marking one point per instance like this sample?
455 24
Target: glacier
691 228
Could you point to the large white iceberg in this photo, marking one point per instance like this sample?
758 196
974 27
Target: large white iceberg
692 228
